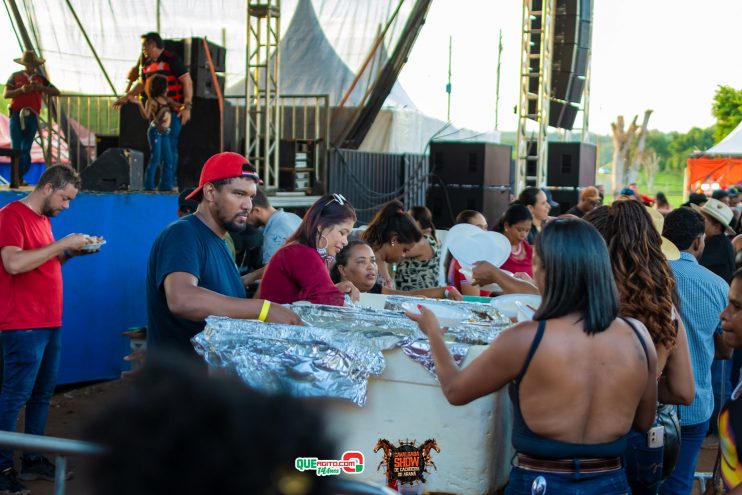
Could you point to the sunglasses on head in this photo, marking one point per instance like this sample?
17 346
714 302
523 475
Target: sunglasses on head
337 198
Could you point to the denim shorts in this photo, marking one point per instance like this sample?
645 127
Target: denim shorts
528 482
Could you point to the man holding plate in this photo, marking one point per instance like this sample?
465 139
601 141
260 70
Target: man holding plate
31 312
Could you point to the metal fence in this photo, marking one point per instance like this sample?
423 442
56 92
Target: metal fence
369 180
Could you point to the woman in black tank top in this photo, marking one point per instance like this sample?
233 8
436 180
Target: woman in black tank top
580 377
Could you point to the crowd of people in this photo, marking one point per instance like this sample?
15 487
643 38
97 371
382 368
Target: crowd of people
626 369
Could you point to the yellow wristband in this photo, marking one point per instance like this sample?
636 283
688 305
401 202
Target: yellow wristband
264 310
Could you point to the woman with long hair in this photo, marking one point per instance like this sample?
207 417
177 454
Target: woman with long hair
515 225
646 291
356 263
419 268
537 203
298 271
392 233
579 376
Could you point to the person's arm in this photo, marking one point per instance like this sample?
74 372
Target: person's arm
486 273
253 276
144 109
129 95
185 112
647 408
187 300
677 385
48 88
436 292
488 372
17 260
421 250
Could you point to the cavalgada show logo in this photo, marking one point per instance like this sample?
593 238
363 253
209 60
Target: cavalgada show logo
407 462
351 462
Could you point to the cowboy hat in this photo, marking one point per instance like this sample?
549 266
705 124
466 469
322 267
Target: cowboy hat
669 249
719 212
29 58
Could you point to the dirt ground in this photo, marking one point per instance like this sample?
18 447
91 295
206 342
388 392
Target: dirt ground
71 406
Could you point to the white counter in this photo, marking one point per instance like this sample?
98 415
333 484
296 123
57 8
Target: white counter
406 403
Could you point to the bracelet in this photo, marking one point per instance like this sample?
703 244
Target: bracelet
67 254
448 290
264 310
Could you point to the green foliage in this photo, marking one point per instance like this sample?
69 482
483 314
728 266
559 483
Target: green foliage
727 108
674 148
4 104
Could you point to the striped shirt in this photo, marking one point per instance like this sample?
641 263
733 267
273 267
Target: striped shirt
703 296
169 65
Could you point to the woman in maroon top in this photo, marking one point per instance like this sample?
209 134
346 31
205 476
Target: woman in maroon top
298 271
515 225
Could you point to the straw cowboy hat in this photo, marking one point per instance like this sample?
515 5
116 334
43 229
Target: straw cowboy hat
669 249
719 212
29 58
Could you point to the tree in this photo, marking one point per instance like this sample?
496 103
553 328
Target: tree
638 153
651 165
727 108
623 149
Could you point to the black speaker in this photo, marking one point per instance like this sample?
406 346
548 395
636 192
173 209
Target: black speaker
191 52
199 140
562 115
571 165
133 129
203 83
103 142
117 169
446 203
479 164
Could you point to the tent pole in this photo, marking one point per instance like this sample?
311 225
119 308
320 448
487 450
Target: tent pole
92 48
21 26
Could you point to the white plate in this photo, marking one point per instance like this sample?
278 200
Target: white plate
92 246
483 246
506 304
447 315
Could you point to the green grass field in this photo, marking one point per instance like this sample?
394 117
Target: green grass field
670 183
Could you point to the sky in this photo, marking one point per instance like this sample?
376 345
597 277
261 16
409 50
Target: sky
668 56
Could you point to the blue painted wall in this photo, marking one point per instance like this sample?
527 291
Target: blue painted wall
104 293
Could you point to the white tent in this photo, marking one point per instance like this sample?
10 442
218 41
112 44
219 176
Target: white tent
729 146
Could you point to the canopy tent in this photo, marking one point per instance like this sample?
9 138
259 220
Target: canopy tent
721 164
324 44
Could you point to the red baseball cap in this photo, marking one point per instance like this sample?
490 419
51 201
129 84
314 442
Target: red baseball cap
226 165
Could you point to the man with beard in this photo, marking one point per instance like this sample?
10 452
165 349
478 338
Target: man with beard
31 312
191 274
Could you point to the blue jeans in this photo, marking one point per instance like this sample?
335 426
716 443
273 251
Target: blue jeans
680 481
31 362
175 127
160 152
719 381
22 139
643 464
611 483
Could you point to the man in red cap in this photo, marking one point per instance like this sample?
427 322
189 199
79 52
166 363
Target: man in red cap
191 273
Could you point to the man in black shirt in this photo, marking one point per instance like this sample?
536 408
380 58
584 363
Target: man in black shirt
589 199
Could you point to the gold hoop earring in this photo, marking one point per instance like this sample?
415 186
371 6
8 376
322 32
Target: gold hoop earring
326 242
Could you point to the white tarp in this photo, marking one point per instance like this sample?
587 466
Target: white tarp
729 146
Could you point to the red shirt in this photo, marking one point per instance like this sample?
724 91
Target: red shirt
32 299
33 99
524 265
169 65
456 278
298 273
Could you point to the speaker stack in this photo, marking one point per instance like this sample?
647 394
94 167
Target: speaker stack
468 176
191 52
116 169
570 58
571 167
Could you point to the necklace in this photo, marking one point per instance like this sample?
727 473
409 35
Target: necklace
518 251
